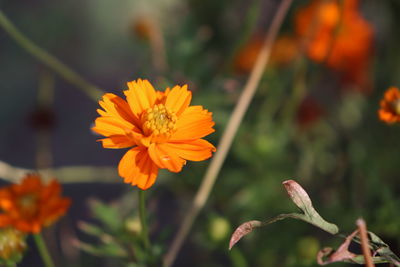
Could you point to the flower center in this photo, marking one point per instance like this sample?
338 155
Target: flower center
159 120
28 205
396 106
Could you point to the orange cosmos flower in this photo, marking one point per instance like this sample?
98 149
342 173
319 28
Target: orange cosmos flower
390 106
31 205
284 51
342 39
161 127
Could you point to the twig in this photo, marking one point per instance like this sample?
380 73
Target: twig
71 174
365 243
47 59
228 135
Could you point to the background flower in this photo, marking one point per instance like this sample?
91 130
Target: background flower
31 205
390 106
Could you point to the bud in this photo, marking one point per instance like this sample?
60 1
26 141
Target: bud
12 244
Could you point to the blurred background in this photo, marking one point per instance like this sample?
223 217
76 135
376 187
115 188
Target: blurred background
313 119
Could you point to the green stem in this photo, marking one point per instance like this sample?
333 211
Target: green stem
47 59
142 215
43 251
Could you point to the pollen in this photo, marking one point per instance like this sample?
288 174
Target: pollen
159 120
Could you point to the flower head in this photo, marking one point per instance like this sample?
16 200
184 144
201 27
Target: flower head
31 205
390 106
161 129
337 36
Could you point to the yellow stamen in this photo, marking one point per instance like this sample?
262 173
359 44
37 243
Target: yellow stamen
159 120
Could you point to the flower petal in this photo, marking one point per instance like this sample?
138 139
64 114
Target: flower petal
118 141
178 99
108 126
166 158
194 123
137 168
115 106
196 150
140 96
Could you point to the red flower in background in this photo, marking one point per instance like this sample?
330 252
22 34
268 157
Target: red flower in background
31 205
390 106
341 39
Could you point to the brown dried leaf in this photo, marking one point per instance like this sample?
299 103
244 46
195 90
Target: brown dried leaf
243 230
341 254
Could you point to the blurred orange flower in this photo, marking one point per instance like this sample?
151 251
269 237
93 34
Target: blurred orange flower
390 106
342 39
161 127
29 206
284 50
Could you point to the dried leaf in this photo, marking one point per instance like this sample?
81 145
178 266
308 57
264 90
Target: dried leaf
243 230
341 254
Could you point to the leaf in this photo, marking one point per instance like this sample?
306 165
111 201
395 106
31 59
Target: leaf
243 230
111 249
300 197
107 214
342 254
90 229
381 248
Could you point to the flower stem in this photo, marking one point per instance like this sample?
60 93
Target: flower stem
43 251
47 59
143 221
228 134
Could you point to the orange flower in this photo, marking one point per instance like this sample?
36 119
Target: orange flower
342 39
390 106
31 205
161 127
284 50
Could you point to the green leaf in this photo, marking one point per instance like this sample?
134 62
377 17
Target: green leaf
108 250
107 214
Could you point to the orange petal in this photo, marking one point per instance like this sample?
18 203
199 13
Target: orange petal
108 126
166 158
140 96
118 141
115 106
178 99
194 123
137 168
196 150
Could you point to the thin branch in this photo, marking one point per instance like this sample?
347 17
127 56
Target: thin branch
47 59
71 174
228 135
